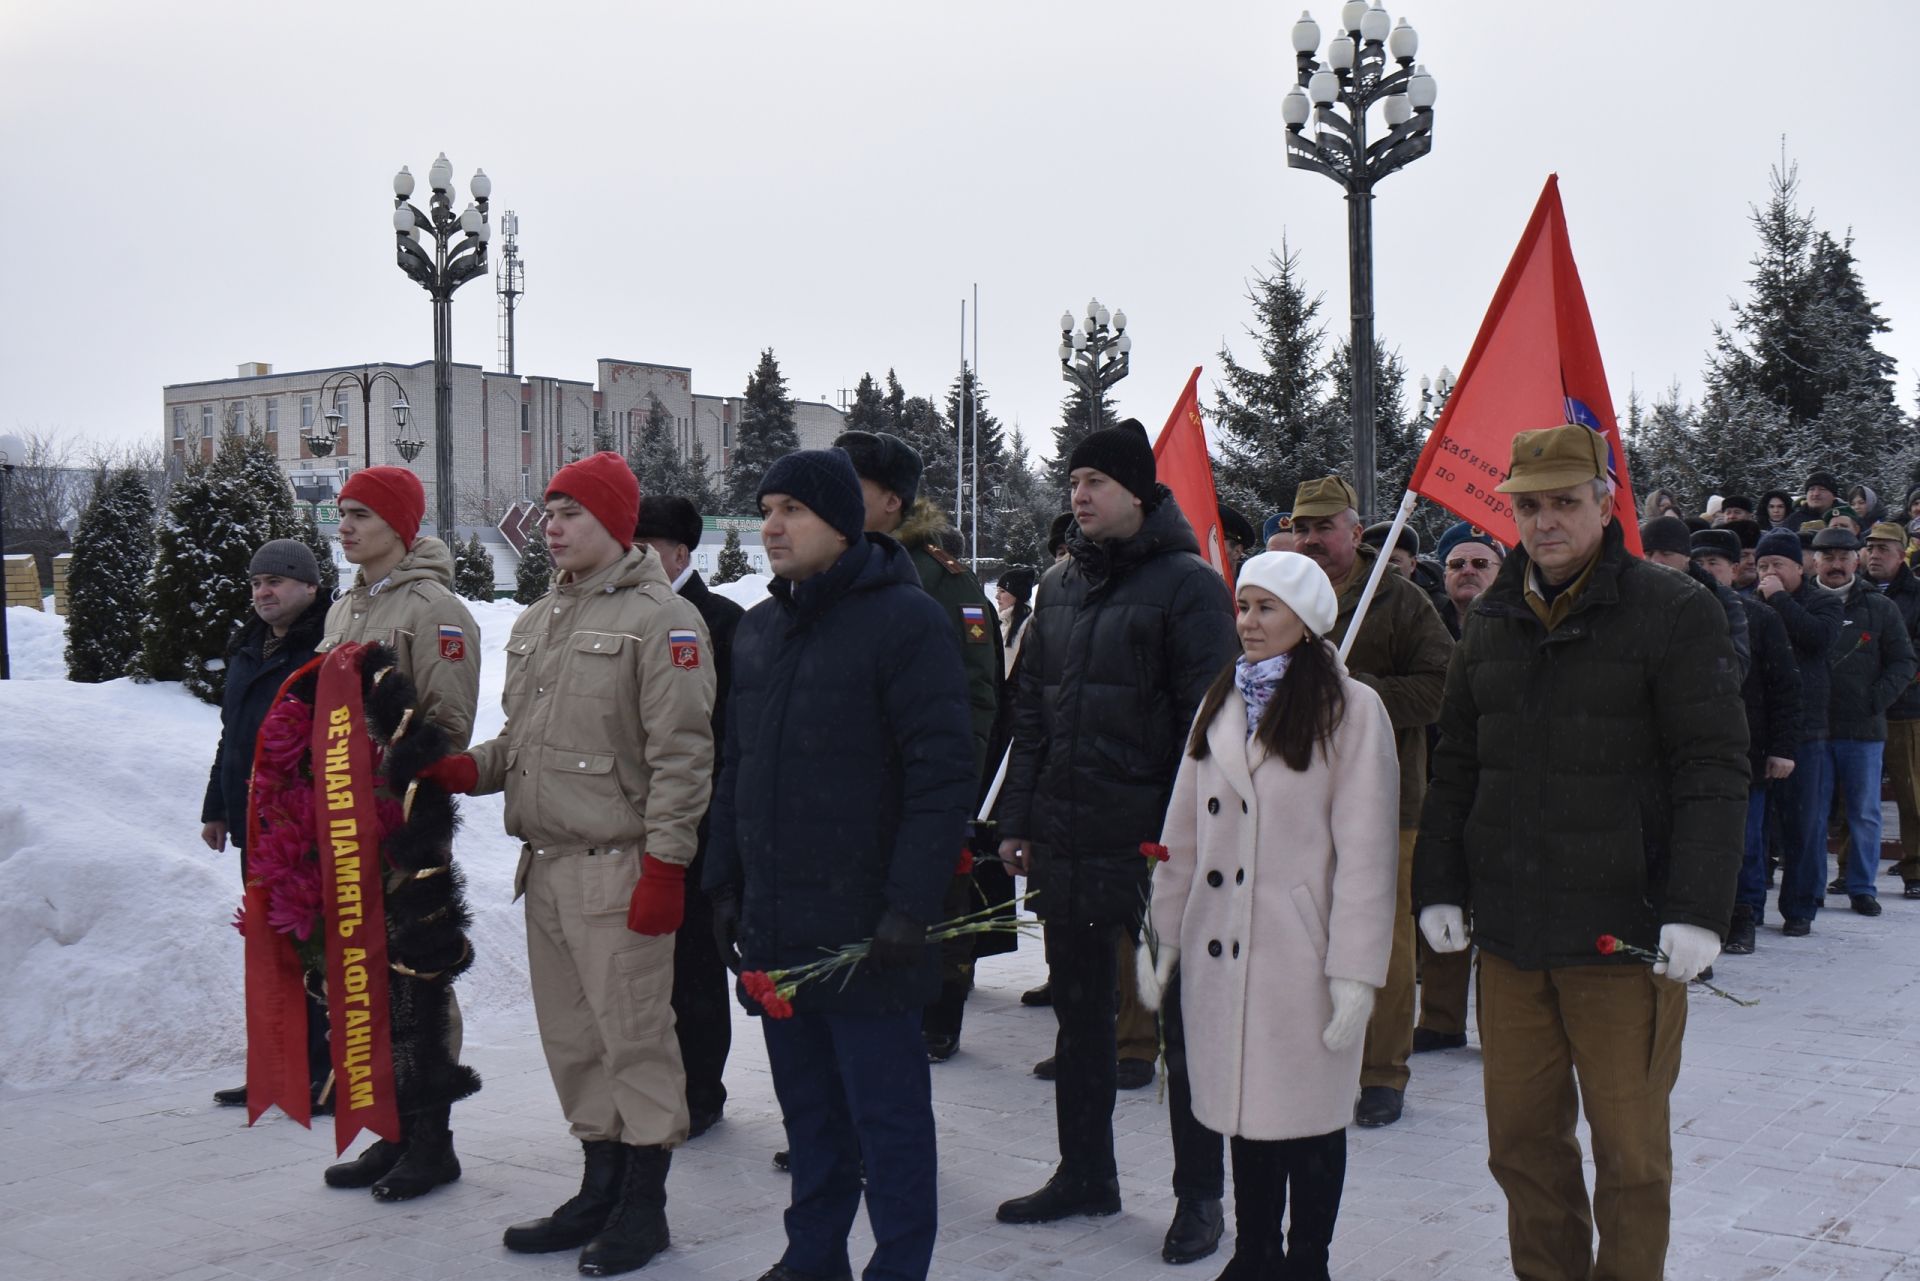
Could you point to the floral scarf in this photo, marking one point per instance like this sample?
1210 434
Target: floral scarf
1256 682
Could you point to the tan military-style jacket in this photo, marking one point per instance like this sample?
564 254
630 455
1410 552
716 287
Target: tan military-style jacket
608 741
416 614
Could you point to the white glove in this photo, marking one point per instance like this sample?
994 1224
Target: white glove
1150 977
1352 1007
1444 926
1689 950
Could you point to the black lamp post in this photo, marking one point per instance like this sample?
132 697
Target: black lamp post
332 425
1433 395
449 266
13 452
1356 76
1093 353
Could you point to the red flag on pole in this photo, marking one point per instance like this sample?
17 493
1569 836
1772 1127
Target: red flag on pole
1180 458
1535 363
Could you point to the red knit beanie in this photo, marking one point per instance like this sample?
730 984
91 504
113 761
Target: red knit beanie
604 485
394 494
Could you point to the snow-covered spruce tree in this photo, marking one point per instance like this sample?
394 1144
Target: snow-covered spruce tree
766 432
473 570
734 564
534 577
112 556
322 547
1075 425
869 409
217 517
661 468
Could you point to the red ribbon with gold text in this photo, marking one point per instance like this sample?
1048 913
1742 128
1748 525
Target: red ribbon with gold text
276 991
353 904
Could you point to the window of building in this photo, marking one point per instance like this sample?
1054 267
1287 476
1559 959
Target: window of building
236 417
179 423
340 408
206 420
526 426
726 435
273 415
306 412
526 479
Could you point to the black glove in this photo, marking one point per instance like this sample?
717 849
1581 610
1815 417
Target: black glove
726 926
898 943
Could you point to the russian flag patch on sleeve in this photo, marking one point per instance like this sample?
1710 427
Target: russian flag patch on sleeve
684 646
973 621
453 643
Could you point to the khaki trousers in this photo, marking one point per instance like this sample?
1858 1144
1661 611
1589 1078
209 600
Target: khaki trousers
1902 766
1617 1029
603 997
1390 1031
1444 979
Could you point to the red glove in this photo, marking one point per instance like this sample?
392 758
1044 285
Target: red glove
659 899
457 774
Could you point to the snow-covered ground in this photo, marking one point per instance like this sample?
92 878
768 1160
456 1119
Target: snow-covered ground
116 954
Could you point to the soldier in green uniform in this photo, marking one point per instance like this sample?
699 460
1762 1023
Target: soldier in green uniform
889 471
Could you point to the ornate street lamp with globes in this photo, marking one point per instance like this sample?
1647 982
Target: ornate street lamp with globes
449 266
1094 353
324 435
1337 96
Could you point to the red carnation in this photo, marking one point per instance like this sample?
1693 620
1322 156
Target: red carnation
1155 852
1608 945
284 738
1866 638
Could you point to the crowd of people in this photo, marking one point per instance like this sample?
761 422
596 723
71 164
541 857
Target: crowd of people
1255 824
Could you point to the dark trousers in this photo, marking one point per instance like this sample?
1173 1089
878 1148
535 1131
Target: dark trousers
702 1004
1267 1174
854 1087
1751 892
1804 796
1081 962
1197 1158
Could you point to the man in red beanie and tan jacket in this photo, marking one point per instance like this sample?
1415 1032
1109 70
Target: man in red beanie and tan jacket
607 760
403 598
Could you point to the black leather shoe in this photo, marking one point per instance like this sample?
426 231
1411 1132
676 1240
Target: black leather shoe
1379 1105
1063 1198
583 1216
1837 885
1796 927
1912 890
1133 1074
1865 904
781 1272
1197 1224
234 1098
783 1161
1426 1040
1704 976
1046 1069
698 1123
1042 995
368 1168
1740 933
940 1046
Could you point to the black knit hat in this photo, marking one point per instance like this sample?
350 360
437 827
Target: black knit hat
887 461
1825 480
1017 582
1783 543
285 558
1717 542
1123 453
1057 533
671 517
1666 534
824 480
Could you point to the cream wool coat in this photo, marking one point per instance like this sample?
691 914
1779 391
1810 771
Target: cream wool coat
1277 881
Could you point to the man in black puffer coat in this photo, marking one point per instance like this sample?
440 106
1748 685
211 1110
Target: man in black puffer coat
1126 635
289 617
842 798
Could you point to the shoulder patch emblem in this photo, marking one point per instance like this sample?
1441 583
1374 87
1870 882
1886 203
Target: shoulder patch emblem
684 647
973 621
453 643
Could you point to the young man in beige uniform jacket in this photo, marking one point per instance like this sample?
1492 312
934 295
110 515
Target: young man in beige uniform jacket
403 598
607 761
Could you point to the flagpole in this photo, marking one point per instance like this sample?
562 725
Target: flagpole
960 430
1380 567
975 411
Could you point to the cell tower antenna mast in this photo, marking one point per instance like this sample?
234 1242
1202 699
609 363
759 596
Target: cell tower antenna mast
512 282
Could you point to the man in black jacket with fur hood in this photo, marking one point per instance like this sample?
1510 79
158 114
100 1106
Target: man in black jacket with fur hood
289 615
1126 635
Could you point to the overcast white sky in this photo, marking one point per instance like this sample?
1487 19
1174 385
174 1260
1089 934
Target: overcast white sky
187 186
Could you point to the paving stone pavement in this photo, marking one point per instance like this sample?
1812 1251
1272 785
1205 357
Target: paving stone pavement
1796 1155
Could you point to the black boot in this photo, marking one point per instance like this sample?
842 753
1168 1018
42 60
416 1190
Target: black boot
1197 1224
429 1160
235 1097
1740 933
581 1218
638 1229
1063 1197
368 1168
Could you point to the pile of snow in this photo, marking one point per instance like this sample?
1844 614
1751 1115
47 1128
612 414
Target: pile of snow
745 592
36 643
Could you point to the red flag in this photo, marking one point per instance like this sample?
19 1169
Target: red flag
1535 363
1180 458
